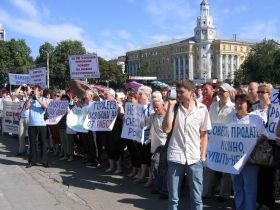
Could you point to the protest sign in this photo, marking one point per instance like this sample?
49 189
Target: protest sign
101 116
76 118
274 114
84 66
56 110
38 77
134 122
11 112
18 79
230 146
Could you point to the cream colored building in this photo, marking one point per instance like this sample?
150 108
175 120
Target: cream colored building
2 33
201 57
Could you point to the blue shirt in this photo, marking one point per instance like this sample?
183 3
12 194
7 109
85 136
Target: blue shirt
36 113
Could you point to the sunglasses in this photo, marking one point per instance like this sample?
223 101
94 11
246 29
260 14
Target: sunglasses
261 92
57 95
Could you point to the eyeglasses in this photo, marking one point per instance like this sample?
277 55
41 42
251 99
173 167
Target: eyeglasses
57 95
261 92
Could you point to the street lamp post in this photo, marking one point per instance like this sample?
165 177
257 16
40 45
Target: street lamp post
48 67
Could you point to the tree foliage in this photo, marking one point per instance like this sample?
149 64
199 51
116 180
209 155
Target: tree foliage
59 65
14 58
262 64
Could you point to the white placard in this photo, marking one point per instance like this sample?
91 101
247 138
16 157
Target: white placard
11 112
76 118
230 146
38 77
18 79
56 110
274 114
134 122
84 66
101 116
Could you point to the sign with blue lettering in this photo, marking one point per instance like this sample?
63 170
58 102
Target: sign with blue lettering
101 116
56 110
274 114
134 122
18 79
230 146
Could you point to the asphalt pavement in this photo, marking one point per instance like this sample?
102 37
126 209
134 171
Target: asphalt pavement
73 185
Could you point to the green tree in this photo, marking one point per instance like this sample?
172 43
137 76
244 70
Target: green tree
14 58
59 65
262 64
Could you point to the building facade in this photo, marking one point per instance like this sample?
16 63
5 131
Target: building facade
203 56
2 33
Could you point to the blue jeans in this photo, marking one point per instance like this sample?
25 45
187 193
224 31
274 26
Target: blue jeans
245 188
175 177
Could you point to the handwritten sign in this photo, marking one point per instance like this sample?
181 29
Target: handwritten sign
75 119
134 122
56 110
11 112
230 146
84 66
274 114
38 77
101 116
18 79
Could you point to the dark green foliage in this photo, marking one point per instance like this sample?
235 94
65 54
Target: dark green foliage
262 64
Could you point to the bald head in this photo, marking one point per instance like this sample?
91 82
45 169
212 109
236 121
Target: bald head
252 91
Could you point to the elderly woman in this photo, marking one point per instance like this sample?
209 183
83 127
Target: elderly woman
245 183
265 175
144 95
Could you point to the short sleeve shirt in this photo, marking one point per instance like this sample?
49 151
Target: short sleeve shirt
184 145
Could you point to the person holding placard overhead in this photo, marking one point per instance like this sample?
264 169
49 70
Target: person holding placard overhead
245 183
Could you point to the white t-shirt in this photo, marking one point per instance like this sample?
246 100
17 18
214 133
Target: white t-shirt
251 119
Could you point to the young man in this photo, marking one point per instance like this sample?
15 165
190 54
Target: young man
188 144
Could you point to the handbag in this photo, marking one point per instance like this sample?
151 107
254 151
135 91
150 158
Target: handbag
262 154
276 157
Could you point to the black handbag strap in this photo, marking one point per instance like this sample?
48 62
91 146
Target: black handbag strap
173 123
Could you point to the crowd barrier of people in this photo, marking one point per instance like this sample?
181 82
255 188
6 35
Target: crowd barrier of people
175 126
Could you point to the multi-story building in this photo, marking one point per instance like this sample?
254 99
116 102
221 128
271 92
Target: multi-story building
2 33
203 56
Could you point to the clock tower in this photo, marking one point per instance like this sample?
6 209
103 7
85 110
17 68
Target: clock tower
204 34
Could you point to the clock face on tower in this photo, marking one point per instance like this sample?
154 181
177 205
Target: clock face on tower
211 32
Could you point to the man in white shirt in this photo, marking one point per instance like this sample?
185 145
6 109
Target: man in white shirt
187 146
220 112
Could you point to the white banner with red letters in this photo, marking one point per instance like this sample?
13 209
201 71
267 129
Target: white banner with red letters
84 66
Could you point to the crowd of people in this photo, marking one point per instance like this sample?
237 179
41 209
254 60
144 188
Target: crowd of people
179 124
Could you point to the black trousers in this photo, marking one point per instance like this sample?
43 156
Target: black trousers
37 137
89 145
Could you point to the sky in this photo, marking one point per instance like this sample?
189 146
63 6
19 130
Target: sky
110 28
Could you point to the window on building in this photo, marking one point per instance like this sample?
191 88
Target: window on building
235 48
204 47
224 47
